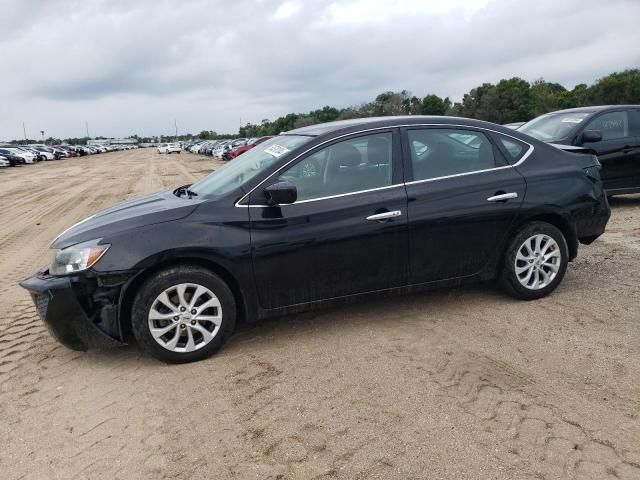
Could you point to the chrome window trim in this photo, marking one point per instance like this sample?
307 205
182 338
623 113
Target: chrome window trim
454 175
413 182
329 196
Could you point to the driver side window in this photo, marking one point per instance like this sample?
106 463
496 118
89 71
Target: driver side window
353 165
612 125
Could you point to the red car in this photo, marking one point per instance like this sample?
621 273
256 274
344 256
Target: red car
252 143
66 148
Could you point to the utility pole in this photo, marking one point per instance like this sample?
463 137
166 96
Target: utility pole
87 125
175 124
24 130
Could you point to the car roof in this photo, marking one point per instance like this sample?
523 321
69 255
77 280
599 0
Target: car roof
594 108
381 122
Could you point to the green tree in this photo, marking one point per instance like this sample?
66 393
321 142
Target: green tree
579 96
513 98
434 105
616 88
546 97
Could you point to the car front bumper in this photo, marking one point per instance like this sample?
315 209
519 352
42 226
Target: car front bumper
59 307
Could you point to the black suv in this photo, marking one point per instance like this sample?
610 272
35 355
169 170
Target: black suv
612 132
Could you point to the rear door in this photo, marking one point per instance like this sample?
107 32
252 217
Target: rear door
347 232
461 201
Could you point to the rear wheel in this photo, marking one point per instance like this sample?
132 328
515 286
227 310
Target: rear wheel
183 314
535 261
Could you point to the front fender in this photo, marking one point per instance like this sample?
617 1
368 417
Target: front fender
224 248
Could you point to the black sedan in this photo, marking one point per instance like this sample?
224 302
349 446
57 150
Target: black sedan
612 132
14 160
317 216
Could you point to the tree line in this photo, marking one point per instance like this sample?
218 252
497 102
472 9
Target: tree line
509 100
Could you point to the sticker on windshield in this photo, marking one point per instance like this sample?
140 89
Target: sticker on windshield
571 120
276 150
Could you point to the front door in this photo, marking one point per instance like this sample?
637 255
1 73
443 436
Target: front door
347 232
616 151
462 200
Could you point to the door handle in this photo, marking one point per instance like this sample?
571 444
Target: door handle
626 149
384 216
502 197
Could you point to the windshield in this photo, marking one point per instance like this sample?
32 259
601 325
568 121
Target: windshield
246 166
553 126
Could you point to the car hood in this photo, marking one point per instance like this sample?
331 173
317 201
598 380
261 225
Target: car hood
570 148
138 212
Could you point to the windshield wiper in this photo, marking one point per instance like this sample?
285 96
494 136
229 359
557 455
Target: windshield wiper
184 190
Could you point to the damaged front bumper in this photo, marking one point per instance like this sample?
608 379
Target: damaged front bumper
72 309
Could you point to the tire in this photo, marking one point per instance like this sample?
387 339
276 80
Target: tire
545 271
191 345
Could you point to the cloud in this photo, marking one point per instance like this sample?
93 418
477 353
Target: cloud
134 67
287 10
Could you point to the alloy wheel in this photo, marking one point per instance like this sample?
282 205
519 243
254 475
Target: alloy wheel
185 317
538 261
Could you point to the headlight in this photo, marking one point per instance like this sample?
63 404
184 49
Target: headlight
77 258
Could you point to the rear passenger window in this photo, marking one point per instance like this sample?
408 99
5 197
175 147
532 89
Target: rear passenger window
514 148
612 125
353 165
439 152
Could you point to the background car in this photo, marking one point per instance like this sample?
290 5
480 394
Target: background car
26 151
60 152
4 162
169 148
14 160
82 150
45 152
28 157
252 142
612 132
71 152
39 155
220 148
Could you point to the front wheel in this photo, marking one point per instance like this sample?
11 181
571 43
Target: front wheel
535 261
183 314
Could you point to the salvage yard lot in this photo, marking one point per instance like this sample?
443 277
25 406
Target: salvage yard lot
462 383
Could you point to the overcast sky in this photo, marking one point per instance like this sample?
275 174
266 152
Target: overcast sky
134 66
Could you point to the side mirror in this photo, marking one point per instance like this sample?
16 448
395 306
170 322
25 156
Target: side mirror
591 136
281 193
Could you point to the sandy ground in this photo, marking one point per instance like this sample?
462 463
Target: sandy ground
455 384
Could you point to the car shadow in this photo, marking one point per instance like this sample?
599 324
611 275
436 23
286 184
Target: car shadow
387 310
624 201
